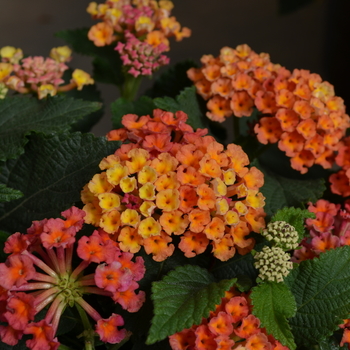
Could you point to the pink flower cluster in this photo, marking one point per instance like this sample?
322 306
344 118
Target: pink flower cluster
38 273
140 57
330 229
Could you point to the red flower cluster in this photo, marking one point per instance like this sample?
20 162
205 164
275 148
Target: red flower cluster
300 111
39 273
231 326
171 180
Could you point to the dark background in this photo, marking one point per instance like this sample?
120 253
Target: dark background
313 37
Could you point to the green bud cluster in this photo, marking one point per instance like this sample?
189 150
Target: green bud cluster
282 235
273 264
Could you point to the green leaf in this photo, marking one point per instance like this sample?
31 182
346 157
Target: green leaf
239 265
331 344
182 299
3 238
273 304
8 194
282 192
50 174
172 81
120 107
88 93
295 217
107 63
187 102
19 116
321 288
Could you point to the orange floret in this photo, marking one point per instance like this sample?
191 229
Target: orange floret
288 119
129 240
207 198
269 130
224 249
219 108
188 198
291 143
158 246
198 219
193 243
241 104
302 161
215 229
340 183
101 34
173 222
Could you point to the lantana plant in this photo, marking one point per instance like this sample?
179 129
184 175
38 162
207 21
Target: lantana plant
165 233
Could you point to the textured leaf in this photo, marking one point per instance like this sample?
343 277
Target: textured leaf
88 93
331 344
9 194
182 299
172 81
187 102
321 288
50 174
273 304
19 116
295 217
282 192
239 265
120 107
107 63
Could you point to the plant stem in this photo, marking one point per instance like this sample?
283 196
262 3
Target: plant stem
88 331
131 86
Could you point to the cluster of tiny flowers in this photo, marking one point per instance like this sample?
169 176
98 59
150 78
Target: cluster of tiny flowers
170 180
329 230
147 19
298 109
38 274
39 75
140 57
282 235
340 181
273 263
232 326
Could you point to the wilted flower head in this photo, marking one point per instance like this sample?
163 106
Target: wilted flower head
38 273
173 181
299 110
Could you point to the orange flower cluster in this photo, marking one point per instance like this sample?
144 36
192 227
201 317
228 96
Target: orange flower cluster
300 111
148 19
231 326
171 180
